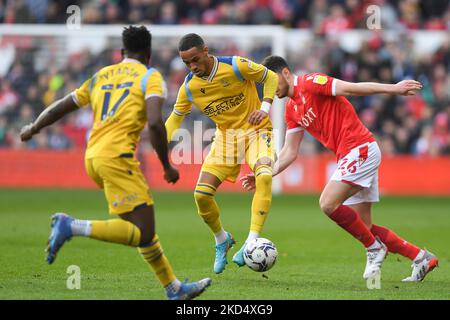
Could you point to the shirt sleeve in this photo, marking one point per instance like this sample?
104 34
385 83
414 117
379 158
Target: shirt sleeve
81 96
319 83
183 105
156 86
250 70
291 125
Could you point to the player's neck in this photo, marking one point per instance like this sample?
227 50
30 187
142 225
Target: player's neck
137 57
210 65
292 83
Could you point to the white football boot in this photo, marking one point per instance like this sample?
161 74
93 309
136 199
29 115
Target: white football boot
375 258
422 266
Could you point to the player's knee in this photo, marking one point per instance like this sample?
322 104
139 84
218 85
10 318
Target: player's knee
203 200
327 206
263 162
147 235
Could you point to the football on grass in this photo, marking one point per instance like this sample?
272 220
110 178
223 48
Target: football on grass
260 254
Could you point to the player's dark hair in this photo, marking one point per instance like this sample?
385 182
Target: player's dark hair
275 63
136 39
190 40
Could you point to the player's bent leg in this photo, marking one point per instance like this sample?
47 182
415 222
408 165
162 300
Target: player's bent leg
334 194
261 204
151 250
208 210
364 209
64 227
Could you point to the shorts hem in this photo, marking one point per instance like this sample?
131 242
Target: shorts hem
349 203
131 208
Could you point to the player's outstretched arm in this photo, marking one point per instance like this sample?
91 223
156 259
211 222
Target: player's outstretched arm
51 114
158 137
288 154
405 88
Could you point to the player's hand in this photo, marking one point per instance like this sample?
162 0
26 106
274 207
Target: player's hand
257 116
408 87
27 132
171 174
248 182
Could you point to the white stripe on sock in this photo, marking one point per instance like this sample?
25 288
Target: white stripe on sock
81 227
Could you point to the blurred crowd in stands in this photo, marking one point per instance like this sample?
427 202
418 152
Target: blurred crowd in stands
418 125
320 15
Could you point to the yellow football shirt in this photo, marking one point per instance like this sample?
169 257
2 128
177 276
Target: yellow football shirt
117 96
228 95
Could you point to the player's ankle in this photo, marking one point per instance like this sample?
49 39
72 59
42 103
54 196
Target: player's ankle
375 245
173 287
81 227
419 255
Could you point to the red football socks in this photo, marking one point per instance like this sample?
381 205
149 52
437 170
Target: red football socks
349 219
394 243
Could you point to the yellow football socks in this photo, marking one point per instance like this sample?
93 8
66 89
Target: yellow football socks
262 198
153 254
117 231
207 206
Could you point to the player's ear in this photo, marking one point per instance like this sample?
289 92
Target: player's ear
285 73
205 50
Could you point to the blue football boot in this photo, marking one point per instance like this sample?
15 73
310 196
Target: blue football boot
190 290
238 257
61 232
221 253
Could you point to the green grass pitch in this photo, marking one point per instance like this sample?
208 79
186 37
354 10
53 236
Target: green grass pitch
317 260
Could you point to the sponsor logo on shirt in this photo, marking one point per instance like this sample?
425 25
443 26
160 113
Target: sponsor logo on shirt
309 117
221 105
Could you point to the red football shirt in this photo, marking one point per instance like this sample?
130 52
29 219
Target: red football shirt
331 120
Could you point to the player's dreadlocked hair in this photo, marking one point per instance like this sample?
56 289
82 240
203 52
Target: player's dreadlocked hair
190 40
275 63
136 39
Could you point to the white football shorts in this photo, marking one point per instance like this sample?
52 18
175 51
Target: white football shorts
360 167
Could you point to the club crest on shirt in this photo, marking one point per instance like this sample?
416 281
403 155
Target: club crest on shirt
225 82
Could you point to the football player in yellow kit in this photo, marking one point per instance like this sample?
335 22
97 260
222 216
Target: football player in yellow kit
123 98
224 89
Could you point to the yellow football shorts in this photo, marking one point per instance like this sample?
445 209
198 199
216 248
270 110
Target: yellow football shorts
123 182
230 149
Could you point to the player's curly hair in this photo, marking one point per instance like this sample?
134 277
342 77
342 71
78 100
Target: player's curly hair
275 63
136 39
190 40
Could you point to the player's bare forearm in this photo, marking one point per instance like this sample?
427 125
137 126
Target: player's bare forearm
288 154
285 159
289 151
50 115
157 129
405 87
158 139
